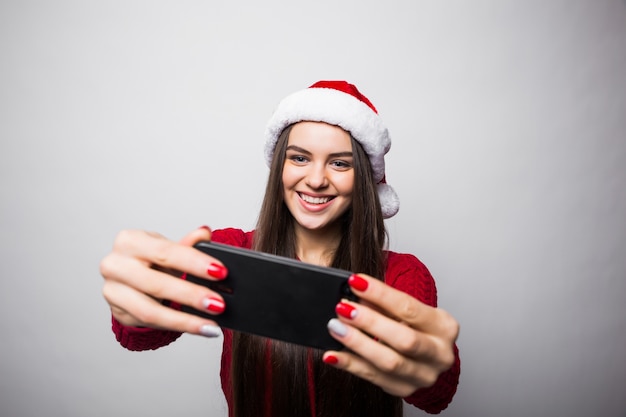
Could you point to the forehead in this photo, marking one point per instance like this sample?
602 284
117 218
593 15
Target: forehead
319 135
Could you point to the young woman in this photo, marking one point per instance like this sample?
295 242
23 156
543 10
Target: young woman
325 202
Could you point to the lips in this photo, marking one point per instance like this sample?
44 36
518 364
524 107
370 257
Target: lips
314 200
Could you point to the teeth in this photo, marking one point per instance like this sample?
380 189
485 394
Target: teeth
314 200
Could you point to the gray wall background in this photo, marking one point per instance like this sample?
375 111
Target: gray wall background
508 122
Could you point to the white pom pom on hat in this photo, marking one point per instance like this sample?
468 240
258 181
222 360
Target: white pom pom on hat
339 103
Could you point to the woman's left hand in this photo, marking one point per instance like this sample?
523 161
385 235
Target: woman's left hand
393 340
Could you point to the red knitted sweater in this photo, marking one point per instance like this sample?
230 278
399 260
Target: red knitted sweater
404 272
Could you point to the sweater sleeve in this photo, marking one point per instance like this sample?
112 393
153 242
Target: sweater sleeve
408 274
143 338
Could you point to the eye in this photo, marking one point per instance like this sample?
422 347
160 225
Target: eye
298 159
341 164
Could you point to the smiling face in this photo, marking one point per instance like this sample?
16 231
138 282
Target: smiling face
318 174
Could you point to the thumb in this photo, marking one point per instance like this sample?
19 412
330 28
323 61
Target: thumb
200 234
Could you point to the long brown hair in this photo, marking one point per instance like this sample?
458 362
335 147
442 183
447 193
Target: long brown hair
260 364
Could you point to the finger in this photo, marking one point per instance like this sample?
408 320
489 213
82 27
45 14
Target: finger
403 307
133 308
154 249
365 370
161 285
203 233
383 358
398 336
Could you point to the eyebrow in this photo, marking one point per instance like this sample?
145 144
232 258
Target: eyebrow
304 151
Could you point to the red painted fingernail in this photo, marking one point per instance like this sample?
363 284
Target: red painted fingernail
331 360
205 227
346 310
357 282
217 271
214 305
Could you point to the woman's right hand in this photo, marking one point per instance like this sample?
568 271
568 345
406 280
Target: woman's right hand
144 269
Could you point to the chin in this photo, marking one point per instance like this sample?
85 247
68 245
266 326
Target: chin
312 226
317 224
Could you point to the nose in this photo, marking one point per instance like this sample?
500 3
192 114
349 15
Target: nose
316 177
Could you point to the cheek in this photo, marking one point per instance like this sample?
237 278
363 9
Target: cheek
287 175
346 184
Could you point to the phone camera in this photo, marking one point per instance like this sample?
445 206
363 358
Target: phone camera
345 290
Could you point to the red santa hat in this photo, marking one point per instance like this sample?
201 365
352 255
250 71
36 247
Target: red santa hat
339 103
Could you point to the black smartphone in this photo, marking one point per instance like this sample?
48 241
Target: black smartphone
276 297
